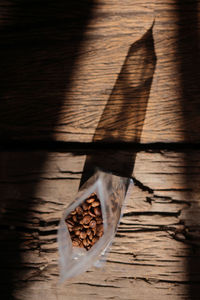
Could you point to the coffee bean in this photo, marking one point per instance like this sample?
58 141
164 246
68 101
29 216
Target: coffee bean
79 217
100 230
85 223
97 211
79 227
88 241
94 240
79 210
72 235
86 226
99 227
75 242
91 213
90 236
99 220
90 200
94 230
100 233
77 232
83 234
74 218
81 245
85 206
89 231
95 204
85 213
70 222
87 219
85 243
93 223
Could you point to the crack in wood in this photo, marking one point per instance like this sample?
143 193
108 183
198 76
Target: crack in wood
155 280
86 147
96 285
150 213
143 187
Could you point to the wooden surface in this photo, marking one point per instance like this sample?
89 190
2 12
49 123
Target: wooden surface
155 251
60 64
90 71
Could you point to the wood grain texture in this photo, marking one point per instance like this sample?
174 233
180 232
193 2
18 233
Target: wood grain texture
60 65
155 251
61 62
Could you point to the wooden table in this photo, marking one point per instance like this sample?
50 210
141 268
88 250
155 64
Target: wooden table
114 85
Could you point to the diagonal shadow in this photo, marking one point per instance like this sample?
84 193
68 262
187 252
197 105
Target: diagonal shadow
39 44
189 55
124 114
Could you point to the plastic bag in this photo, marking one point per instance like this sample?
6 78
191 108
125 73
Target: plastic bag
111 191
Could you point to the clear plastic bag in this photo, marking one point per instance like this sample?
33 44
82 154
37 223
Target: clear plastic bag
111 191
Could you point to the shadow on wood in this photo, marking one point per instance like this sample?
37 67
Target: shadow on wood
125 110
40 42
188 52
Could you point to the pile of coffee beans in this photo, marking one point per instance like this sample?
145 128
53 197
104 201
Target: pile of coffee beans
85 223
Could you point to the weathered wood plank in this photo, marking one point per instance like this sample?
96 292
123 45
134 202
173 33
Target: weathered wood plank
62 62
155 250
174 100
60 67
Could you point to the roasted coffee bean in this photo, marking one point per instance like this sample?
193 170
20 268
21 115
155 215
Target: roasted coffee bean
77 232
97 211
90 236
99 220
78 227
85 213
85 223
100 233
92 214
99 227
95 204
87 219
69 226
85 243
86 226
90 200
94 230
74 218
85 206
83 235
94 240
75 242
88 231
81 245
93 224
100 230
70 222
79 217
79 210
88 241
